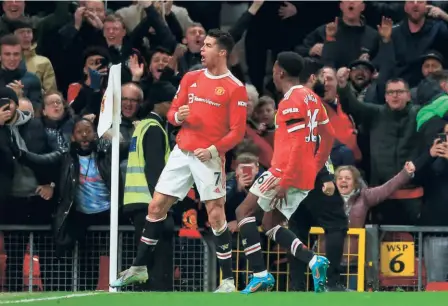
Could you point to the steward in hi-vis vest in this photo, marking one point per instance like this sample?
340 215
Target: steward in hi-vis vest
148 151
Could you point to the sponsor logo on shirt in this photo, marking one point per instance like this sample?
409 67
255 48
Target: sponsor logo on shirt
219 91
192 98
290 110
194 85
242 103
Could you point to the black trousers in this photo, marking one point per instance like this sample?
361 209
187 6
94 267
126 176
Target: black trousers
326 212
160 268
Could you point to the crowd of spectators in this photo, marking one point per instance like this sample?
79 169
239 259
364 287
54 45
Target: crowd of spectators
379 68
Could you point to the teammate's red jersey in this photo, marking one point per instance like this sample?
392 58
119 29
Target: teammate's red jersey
218 109
298 118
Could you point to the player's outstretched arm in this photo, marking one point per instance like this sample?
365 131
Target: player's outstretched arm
178 111
238 114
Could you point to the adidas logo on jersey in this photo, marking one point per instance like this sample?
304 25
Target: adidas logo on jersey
194 85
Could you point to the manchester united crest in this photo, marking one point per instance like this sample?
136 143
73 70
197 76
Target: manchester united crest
219 91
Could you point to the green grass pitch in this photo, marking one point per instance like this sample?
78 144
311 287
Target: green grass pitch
234 299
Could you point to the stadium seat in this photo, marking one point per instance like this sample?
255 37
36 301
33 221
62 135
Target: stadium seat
404 281
437 286
37 280
103 278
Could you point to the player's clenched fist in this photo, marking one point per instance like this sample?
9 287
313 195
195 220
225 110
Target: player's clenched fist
203 154
183 112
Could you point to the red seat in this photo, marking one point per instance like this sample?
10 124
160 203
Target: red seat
437 286
103 279
37 280
3 258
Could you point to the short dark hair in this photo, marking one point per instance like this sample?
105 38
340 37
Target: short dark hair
310 67
398 80
291 62
439 76
93 51
9 40
223 39
247 146
159 49
82 119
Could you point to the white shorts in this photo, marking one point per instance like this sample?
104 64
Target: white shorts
183 169
262 189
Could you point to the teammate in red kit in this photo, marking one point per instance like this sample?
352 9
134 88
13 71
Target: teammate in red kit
210 106
301 119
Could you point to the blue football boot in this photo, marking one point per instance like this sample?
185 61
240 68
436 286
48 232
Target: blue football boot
319 271
256 284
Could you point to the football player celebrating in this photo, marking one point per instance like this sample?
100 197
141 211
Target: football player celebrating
300 120
210 106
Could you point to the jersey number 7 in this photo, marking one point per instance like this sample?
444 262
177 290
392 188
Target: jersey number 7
312 124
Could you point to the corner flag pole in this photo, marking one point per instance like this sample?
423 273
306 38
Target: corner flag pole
110 114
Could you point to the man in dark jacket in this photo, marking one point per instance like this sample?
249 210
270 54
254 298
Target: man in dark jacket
415 36
110 32
31 190
24 83
340 42
84 186
393 130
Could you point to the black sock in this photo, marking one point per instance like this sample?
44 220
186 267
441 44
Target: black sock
288 240
251 244
223 241
334 247
152 231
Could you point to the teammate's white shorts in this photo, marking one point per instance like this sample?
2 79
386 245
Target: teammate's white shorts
183 169
262 189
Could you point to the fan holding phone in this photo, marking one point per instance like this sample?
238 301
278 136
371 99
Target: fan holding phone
245 173
5 102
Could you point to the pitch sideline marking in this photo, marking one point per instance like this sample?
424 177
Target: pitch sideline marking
69 296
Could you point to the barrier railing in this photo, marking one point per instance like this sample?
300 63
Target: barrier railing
28 261
406 258
277 262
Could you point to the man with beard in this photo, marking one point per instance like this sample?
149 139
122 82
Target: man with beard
432 62
416 35
367 87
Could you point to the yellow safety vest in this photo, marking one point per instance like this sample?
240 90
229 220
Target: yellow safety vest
136 188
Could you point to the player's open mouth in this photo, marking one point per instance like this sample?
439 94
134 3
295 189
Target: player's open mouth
202 59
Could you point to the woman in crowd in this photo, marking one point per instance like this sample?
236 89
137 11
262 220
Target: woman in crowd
57 118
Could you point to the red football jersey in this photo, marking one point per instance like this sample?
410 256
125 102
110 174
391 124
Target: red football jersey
298 118
218 109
